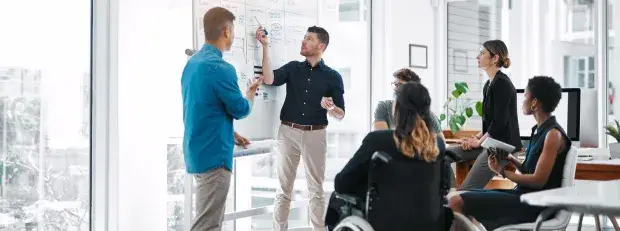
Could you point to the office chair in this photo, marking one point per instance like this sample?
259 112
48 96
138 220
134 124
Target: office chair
562 217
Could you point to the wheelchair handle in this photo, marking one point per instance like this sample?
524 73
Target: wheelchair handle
383 157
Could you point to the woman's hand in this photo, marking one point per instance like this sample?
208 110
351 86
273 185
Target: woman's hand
470 144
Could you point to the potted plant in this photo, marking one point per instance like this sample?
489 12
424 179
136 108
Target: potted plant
458 110
614 131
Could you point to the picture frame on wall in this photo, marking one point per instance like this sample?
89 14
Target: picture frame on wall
418 56
459 60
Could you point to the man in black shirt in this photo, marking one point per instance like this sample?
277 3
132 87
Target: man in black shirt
313 90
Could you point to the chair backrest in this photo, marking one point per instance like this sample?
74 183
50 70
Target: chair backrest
406 188
568 179
570 167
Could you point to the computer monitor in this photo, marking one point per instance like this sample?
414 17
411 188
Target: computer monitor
567 114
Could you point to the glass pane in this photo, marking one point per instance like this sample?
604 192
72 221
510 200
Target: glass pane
582 79
176 189
582 64
298 217
591 80
349 53
45 115
591 63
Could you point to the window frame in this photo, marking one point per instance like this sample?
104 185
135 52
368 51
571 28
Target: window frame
104 116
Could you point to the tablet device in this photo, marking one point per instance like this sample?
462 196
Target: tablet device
493 143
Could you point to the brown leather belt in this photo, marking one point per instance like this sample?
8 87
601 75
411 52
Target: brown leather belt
304 127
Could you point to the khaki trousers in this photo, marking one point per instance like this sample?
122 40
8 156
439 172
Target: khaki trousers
294 144
211 191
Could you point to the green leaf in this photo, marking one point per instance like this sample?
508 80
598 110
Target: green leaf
462 87
460 119
479 108
469 112
456 93
454 127
442 117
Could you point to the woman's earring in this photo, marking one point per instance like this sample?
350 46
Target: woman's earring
532 108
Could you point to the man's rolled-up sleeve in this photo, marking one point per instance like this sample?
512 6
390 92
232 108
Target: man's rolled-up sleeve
337 91
227 90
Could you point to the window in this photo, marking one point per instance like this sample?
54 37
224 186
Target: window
352 10
45 115
469 25
579 72
579 21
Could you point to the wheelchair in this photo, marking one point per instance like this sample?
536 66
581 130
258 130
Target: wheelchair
354 211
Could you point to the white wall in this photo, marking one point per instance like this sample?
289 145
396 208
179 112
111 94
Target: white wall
396 24
151 42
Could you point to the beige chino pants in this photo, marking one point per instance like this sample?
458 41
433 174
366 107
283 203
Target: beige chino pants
294 144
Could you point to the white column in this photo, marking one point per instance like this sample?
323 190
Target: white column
378 51
601 66
614 62
143 69
524 46
441 58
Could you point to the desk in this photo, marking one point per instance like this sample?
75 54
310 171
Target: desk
598 170
586 170
591 197
254 148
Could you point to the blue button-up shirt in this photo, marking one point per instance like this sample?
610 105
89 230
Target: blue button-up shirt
305 87
211 100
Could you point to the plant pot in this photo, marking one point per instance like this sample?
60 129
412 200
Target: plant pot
614 150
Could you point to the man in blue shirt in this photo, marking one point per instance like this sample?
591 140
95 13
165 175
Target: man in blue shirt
211 100
313 90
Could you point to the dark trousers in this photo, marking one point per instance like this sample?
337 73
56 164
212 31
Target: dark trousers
479 175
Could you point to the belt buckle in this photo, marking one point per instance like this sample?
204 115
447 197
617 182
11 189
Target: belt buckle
311 127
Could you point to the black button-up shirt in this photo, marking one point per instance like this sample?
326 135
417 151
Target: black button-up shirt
305 87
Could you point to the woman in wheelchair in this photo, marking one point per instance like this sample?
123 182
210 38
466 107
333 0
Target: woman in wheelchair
542 168
408 192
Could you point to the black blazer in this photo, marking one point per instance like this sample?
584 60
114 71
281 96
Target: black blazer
409 195
499 117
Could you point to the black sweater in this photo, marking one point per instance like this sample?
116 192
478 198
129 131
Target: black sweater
409 196
499 117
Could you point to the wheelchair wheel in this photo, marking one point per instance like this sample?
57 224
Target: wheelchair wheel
353 223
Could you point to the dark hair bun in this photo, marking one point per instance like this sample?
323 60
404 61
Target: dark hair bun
506 63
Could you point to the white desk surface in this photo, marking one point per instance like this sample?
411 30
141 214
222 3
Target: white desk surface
591 197
254 148
595 161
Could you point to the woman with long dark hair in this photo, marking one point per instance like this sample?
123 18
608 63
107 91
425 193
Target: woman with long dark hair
499 119
414 198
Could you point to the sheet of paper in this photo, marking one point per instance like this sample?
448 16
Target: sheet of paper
269 4
303 7
254 47
296 25
329 15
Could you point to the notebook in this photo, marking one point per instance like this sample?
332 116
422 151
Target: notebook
493 143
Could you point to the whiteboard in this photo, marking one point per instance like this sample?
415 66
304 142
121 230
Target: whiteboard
286 22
